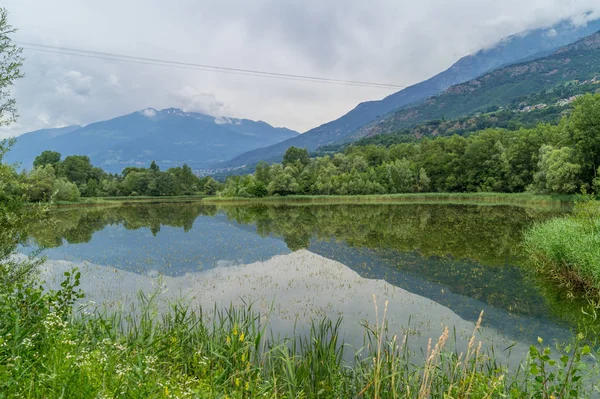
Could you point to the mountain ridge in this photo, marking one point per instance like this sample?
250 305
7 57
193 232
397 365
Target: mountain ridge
498 88
170 136
507 51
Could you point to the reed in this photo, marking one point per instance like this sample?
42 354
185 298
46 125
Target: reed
47 350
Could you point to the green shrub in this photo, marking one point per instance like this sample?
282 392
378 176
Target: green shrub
568 248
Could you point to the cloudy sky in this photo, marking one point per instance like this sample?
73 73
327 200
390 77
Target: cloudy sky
393 41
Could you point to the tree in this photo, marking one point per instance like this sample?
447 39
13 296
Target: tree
16 220
584 133
262 172
397 176
16 217
77 169
557 171
11 62
295 154
283 182
130 169
47 158
424 181
135 183
166 184
154 167
187 182
210 187
65 190
91 188
41 184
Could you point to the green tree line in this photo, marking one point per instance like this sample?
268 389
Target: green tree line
69 179
550 159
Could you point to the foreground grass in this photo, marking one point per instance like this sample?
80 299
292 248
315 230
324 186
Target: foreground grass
478 198
48 351
568 248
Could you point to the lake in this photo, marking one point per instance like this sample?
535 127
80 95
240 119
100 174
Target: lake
434 264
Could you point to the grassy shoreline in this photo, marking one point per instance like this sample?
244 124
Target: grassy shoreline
184 199
567 249
517 199
476 198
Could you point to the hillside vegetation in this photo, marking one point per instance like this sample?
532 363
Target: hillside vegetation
549 106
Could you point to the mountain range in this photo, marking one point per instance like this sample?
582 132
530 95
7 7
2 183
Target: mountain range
575 64
171 137
524 46
520 65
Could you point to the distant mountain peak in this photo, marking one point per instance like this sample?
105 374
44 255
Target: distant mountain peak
171 136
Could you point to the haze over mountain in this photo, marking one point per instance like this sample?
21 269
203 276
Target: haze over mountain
170 136
524 46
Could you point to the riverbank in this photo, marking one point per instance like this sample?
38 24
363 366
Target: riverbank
132 200
518 199
476 198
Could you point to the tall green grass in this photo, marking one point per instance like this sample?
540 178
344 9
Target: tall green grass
49 351
568 248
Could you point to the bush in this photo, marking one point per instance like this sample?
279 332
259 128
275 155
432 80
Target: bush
568 248
66 191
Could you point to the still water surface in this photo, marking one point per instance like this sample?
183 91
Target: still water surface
435 264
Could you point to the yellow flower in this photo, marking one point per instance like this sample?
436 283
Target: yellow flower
242 337
228 340
237 382
167 391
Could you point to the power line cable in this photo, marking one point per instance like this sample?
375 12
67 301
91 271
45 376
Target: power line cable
186 65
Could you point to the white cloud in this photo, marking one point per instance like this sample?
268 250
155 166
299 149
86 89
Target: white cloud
190 99
149 112
74 83
395 41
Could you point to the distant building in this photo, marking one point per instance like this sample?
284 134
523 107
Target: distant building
566 101
530 108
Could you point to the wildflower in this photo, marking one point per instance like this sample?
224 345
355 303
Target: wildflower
242 337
